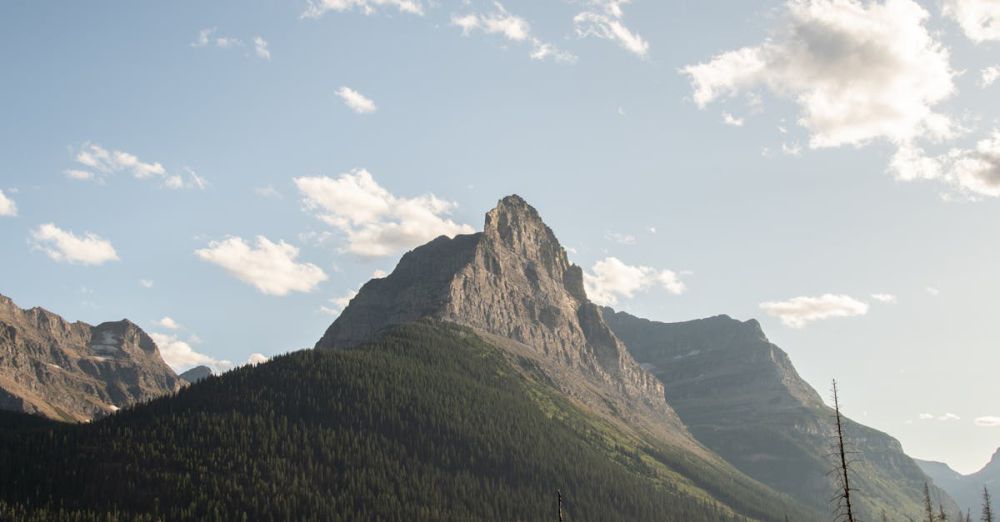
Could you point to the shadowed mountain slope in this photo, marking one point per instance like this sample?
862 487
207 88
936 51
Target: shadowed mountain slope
740 395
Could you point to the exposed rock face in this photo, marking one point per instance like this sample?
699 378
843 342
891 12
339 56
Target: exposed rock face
967 490
75 371
513 281
741 397
196 374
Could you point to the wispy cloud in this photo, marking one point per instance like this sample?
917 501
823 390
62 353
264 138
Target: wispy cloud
7 206
799 311
942 418
62 245
337 304
270 267
605 19
317 8
501 22
260 48
208 37
356 101
884 298
988 421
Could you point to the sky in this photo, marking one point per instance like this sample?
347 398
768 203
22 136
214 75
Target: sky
226 174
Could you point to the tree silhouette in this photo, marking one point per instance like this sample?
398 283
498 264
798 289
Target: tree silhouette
987 506
845 511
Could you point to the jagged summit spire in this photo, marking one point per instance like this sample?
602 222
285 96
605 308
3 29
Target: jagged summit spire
514 281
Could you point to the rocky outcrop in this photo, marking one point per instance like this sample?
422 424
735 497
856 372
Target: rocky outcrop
740 396
967 490
75 371
196 374
512 281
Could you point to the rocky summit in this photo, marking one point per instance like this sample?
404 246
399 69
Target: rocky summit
740 395
75 371
514 282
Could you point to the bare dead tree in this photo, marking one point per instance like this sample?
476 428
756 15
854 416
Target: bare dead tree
928 507
845 511
560 500
987 506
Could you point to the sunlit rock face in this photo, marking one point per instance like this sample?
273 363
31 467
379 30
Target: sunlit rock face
75 371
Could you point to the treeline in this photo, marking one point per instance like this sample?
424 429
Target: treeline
429 424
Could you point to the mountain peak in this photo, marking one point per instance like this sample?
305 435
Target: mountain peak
514 282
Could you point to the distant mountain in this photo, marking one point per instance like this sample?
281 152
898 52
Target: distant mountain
740 395
967 490
196 374
75 371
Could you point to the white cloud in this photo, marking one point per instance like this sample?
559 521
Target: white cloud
270 267
621 239
267 192
317 8
79 175
603 19
103 162
207 37
988 421
180 356
338 303
356 101
979 19
978 171
974 172
7 205
933 291
731 120
943 418
793 149
374 221
146 283
379 274
260 48
799 311
884 298
858 71
257 358
514 28
610 278
168 323
989 75
192 181
62 245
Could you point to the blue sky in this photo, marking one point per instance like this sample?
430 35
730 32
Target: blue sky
828 166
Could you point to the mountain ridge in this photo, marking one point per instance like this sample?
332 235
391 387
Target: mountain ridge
742 397
76 371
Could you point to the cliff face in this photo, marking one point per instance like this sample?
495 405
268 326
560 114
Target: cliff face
75 371
513 281
740 396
